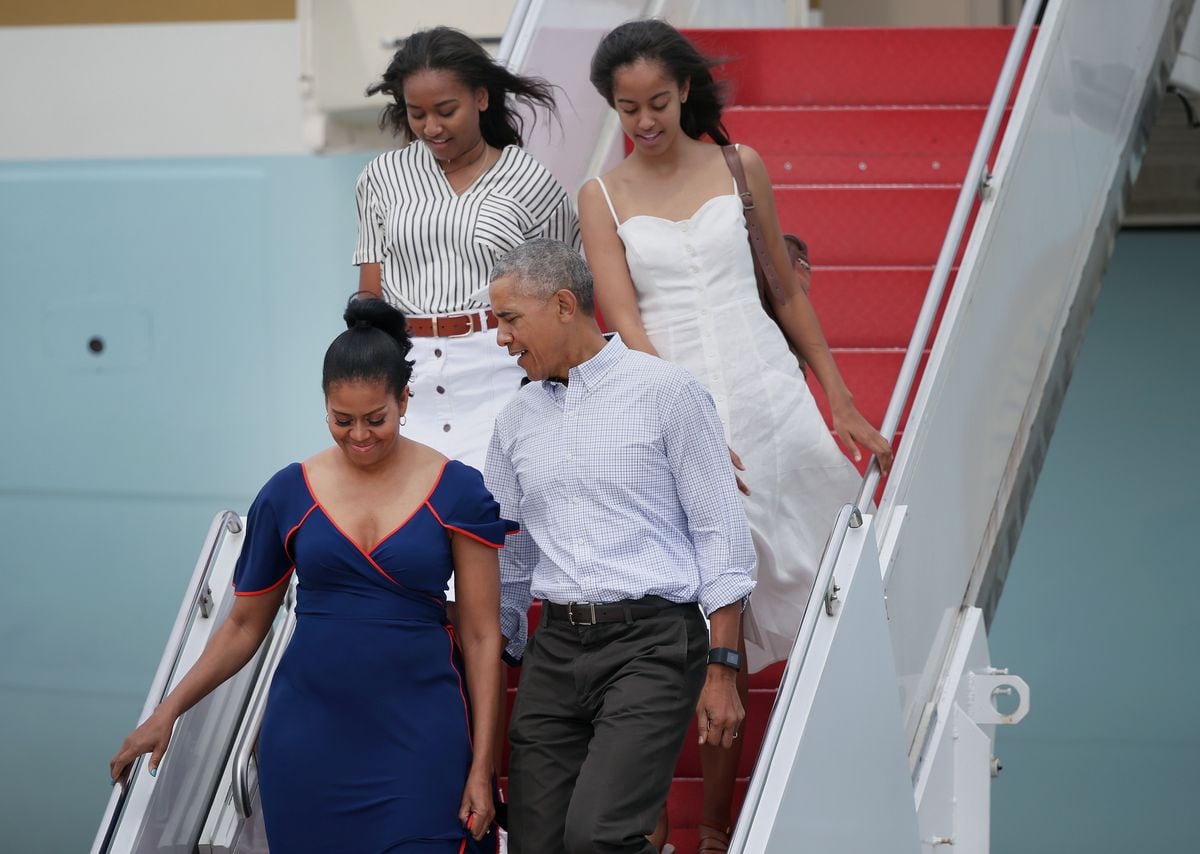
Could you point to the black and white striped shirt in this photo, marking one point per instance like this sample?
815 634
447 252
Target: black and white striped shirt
436 248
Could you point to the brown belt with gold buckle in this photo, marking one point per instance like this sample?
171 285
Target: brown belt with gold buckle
451 325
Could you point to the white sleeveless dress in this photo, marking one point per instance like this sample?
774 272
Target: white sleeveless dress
700 307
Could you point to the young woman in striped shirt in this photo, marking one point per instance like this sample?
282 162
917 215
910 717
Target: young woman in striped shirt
436 214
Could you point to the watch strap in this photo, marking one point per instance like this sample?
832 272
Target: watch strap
726 657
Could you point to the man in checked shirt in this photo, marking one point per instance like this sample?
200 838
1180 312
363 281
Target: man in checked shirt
615 465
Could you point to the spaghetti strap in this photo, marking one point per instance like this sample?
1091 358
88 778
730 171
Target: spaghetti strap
737 146
611 209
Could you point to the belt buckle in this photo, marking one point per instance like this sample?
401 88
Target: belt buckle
470 318
580 622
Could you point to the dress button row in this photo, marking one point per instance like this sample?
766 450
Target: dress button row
437 353
445 428
441 390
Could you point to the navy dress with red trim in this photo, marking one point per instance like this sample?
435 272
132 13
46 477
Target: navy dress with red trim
366 739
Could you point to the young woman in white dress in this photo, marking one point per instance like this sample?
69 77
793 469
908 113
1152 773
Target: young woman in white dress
666 239
435 215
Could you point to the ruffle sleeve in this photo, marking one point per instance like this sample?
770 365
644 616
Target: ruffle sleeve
463 504
264 562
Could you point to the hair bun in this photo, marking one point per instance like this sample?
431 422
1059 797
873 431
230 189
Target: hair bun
367 311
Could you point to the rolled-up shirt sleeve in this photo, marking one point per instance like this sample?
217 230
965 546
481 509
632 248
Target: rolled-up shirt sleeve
520 554
697 455
368 248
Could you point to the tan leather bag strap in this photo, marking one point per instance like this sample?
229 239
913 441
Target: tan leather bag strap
758 244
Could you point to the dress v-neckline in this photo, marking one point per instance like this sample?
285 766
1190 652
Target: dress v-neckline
474 183
369 552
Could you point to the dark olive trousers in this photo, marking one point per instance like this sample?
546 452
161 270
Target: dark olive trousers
599 721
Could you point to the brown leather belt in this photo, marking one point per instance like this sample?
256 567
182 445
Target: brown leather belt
451 325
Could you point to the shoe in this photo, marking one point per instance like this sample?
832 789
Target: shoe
661 831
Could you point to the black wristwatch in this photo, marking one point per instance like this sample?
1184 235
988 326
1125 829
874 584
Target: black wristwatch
726 657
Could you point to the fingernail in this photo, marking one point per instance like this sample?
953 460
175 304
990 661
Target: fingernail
112 782
153 772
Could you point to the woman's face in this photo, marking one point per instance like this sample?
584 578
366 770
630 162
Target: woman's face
443 113
648 101
364 419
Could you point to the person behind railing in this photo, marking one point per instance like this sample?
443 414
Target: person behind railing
665 235
368 741
615 466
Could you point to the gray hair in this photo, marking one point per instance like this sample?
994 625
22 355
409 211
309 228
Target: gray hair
541 267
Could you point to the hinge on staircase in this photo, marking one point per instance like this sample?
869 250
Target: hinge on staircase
831 596
985 188
206 601
982 687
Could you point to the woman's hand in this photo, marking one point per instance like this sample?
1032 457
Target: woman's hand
737 464
478 809
854 430
151 737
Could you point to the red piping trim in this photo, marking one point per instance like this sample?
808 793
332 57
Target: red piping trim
353 542
338 528
285 577
466 533
313 495
288 537
461 691
437 482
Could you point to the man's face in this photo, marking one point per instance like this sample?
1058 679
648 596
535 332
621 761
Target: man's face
531 328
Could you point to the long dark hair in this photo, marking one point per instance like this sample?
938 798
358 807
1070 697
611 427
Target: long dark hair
447 49
374 347
657 41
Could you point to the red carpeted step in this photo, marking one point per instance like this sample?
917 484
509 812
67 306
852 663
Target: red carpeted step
867 134
757 712
849 145
859 66
862 225
871 376
868 306
685 803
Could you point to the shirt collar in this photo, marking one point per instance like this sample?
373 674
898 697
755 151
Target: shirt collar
590 373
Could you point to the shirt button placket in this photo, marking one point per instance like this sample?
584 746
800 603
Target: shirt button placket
572 481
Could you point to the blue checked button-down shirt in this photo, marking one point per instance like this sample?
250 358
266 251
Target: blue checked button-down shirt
622 485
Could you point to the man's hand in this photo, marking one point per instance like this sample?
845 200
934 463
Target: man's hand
719 713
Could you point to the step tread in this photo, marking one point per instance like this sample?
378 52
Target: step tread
869 307
860 65
879 145
868 225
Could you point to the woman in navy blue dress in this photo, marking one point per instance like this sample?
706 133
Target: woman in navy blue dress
369 742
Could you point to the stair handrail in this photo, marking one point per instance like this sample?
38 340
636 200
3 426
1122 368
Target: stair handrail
515 33
197 597
976 181
824 590
821 600
256 707
200 595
